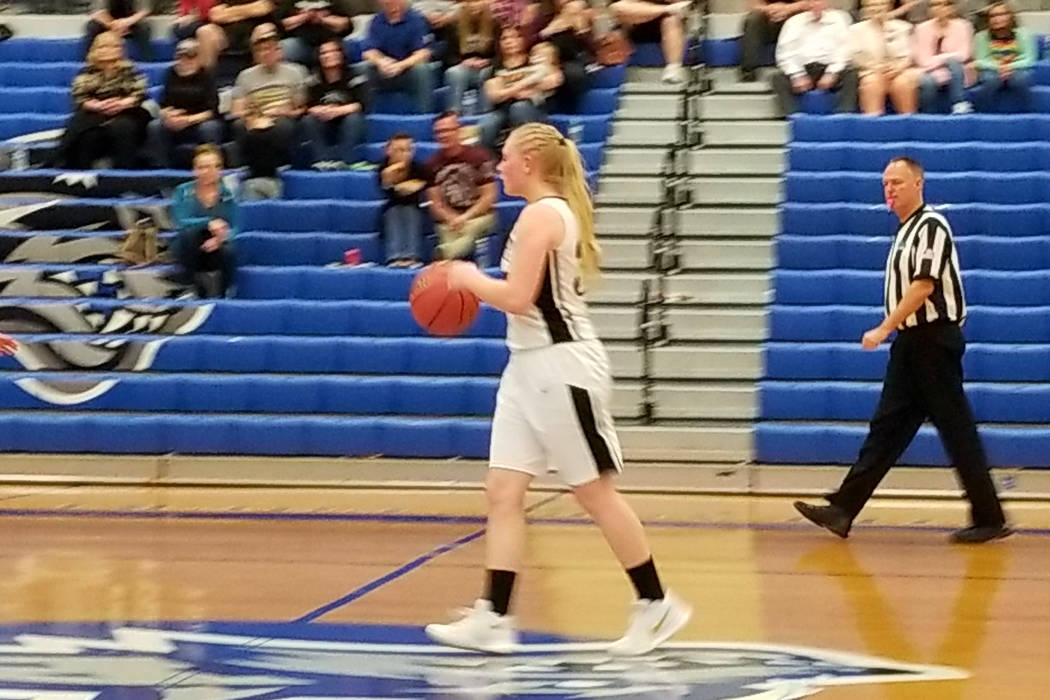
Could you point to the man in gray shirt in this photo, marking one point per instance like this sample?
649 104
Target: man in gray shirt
268 100
125 17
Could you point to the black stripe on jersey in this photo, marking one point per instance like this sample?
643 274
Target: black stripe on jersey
556 325
937 300
553 262
603 458
895 283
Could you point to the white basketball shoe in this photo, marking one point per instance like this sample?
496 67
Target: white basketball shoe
652 623
479 629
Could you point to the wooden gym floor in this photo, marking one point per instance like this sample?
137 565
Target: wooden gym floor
895 590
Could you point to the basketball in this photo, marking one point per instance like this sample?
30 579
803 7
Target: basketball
438 309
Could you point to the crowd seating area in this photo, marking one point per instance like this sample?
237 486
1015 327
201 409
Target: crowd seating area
820 387
726 53
309 358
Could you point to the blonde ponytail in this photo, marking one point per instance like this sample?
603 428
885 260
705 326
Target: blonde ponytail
562 168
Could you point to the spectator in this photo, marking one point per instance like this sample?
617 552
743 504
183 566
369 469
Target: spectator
108 120
396 53
189 106
512 13
402 179
907 10
191 22
441 16
762 27
236 20
1005 55
470 53
335 120
566 24
882 55
462 193
521 87
310 23
657 22
813 53
125 18
942 49
205 215
268 100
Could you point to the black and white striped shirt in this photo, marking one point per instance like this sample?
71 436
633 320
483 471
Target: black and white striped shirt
923 249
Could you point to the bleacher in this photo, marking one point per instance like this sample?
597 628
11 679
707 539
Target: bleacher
310 358
989 175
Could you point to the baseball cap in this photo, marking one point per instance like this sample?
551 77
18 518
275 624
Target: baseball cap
264 32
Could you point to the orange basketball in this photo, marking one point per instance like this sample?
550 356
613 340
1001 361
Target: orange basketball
438 309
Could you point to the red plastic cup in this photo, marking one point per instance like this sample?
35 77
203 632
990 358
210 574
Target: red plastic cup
352 256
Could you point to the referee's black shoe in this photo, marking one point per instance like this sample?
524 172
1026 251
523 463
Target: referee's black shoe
829 517
977 535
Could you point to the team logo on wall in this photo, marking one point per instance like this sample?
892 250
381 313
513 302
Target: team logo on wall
94 298
294 661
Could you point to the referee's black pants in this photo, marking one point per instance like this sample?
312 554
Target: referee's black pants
924 379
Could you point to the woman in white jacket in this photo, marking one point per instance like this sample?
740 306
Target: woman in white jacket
881 53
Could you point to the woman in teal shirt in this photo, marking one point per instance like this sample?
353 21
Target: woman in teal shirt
206 218
1005 58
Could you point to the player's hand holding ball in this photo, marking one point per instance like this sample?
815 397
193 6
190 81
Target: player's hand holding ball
440 300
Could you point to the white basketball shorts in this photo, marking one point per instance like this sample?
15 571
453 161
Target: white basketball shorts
553 411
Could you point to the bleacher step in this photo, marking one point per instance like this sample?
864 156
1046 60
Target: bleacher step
702 161
737 190
708 361
737 161
687 325
752 222
695 288
730 442
747 106
690 325
632 132
712 106
689 400
695 255
638 189
751 132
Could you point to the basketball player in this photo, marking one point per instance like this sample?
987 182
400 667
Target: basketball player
552 408
8 345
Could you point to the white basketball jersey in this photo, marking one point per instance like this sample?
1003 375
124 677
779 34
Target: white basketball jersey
559 314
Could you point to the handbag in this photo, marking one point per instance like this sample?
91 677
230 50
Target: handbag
140 243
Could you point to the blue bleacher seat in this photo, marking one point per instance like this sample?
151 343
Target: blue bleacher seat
838 444
592 153
273 394
315 248
920 128
245 434
599 101
848 323
855 401
983 287
608 77
352 185
875 219
12 125
869 252
282 317
983 362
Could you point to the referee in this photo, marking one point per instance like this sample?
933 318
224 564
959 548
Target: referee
924 379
